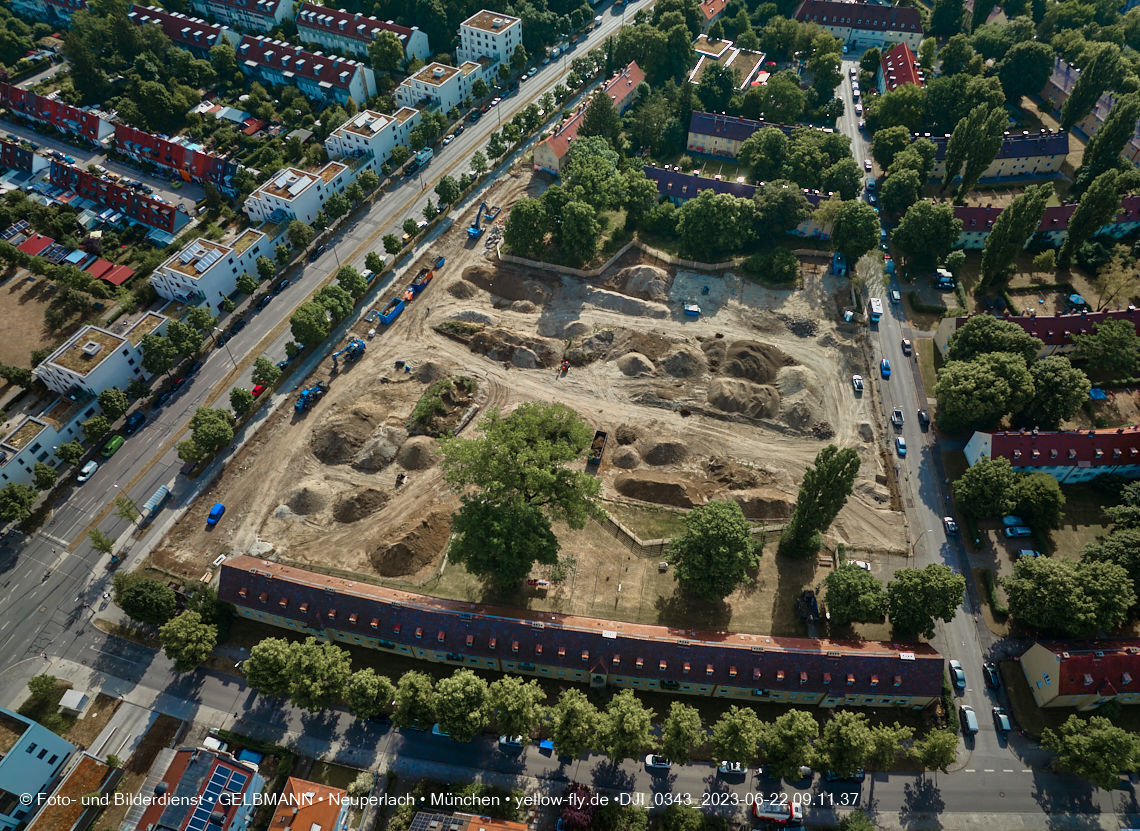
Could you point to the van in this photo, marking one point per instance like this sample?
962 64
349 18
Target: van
87 471
112 447
896 297
969 719
134 421
598 22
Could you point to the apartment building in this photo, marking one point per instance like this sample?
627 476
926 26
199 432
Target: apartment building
720 136
1053 228
550 153
488 34
319 76
179 156
191 33
435 87
297 194
1083 674
372 136
81 125
863 25
52 12
747 65
204 789
1057 91
208 271
898 66
586 650
1055 332
711 11
247 15
1024 154
95 359
20 156
66 811
30 766
350 33
1068 456
33 438
306 806
124 204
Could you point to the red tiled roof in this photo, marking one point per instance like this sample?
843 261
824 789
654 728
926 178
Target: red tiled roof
1068 448
711 9
35 244
283 57
306 805
266 8
118 275
99 269
183 30
1059 330
862 16
347 24
1056 218
899 66
617 88
1112 665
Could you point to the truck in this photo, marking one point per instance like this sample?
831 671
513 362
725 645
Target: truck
424 277
392 311
421 160
597 448
876 309
310 396
154 504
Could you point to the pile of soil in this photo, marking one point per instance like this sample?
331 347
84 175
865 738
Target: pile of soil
625 305
714 350
430 372
763 503
414 548
866 432
732 475
337 439
745 397
381 448
472 316
592 348
626 434
756 362
576 329
524 307
664 453
506 285
357 506
626 458
418 453
635 365
801 403
523 351
310 498
462 290
684 362
645 281
660 488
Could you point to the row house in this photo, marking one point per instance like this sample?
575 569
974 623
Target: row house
92 125
863 25
202 789
597 652
1069 456
207 272
20 156
898 66
488 34
319 76
1026 154
679 188
95 359
52 12
1054 331
179 155
371 137
440 87
1083 674
191 33
34 758
720 136
747 65
297 194
1057 91
711 11
127 204
247 15
353 32
313 806
33 440
550 153
1053 228
71 807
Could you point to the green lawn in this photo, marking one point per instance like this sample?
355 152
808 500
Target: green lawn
1082 521
647 521
335 776
928 361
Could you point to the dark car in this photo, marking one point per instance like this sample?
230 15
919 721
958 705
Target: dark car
283 364
238 326
193 370
163 400
223 338
320 250
990 671
280 287
831 776
134 421
383 718
923 419
178 384
263 302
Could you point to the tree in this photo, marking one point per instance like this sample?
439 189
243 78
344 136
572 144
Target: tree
337 205
247 283
519 58
641 196
886 742
823 493
310 324
918 597
525 229
241 400
946 18
982 334
985 133
845 743
415 701
516 705
1025 70
856 230
580 231
1098 205
385 52
190 452
146 601
1069 598
188 640
448 191
200 318
1104 148
461 705
480 90
958 56
870 60
781 101
411 227
496 147
1122 546
737 735
1112 346
623 729
716 87
938 749
368 180
114 403
983 490
100 541
1037 498
502 539
853 595
1094 749
713 224
888 143
600 119
351 280
779 206
299 234
764 153
318 674
362 785
1011 231
265 372
716 552
44 476
927 232
95 428
927 52
267 667
845 177
573 722
1101 73
212 429
788 743
900 191
158 354
478 163
42 686
681 732
281 253
374 262
904 106
184 338
70 453
392 244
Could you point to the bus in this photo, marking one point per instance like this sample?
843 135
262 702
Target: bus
876 309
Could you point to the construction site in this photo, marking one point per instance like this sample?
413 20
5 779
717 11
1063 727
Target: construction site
733 402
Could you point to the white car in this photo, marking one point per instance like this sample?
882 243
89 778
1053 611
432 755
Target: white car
957 675
863 564
867 165
857 383
730 768
655 762
858 108
512 742
87 471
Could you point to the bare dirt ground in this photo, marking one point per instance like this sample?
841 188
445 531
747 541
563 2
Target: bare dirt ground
733 404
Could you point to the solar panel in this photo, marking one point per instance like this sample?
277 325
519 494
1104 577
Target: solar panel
298 186
237 782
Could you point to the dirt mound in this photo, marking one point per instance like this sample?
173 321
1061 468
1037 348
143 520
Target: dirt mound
684 362
635 365
733 475
799 396
337 439
381 448
660 488
310 498
430 372
763 503
645 281
714 350
577 329
416 547
664 453
462 290
626 434
355 507
615 302
502 344
866 432
756 362
626 458
592 348
797 414
745 397
524 307
507 285
418 453
472 316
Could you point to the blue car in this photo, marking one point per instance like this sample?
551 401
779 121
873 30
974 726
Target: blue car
215 513
885 368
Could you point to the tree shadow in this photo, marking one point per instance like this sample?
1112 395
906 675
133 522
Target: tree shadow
1064 796
922 803
609 774
685 610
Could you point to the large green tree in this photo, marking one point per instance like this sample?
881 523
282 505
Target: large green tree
1037 498
516 705
737 735
1067 598
983 490
845 743
146 601
310 324
681 733
938 750
764 153
267 667
415 701
212 429
1112 346
714 225
319 674
918 597
788 743
983 333
1094 749
1097 207
114 403
886 744
927 232
888 143
525 229
900 191
854 595
716 552
368 693
823 493
779 207
158 354
461 705
574 722
502 539
1102 73
579 231
856 230
623 729
1025 70
1011 231
187 640
1106 145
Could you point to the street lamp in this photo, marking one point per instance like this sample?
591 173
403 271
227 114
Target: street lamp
914 548
231 354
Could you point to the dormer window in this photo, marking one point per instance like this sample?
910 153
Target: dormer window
585 655
850 679
803 677
732 672
639 663
493 642
779 675
419 632
662 665
332 614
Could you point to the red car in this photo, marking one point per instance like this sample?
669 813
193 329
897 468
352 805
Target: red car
258 390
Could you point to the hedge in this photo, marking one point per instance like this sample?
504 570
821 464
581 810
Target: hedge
999 609
928 308
1065 287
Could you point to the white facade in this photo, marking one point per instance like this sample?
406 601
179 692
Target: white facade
208 271
347 32
489 35
441 87
35 438
320 77
373 133
95 359
258 15
296 194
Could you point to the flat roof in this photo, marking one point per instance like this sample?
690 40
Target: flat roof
404 113
288 183
331 170
23 435
247 238
196 259
62 411
485 20
143 326
65 810
435 74
366 123
71 355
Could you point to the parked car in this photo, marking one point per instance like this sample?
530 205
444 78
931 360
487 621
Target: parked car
885 368
258 390
867 165
655 762
990 671
1001 720
1029 552
969 719
863 564
895 296
957 675
511 742
858 108
265 301
906 346
193 370
134 421
222 339
215 513
1018 531
239 324
87 471
320 249
857 383
857 776
436 730
280 287
950 525
730 768
178 384
897 417
448 140
900 446
923 419
163 400
1010 521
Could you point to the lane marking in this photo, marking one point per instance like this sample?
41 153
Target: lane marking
970 770
1007 771
988 770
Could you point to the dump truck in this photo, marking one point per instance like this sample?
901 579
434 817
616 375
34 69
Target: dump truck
310 397
597 448
392 311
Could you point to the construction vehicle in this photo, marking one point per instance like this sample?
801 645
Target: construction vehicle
597 448
310 396
692 308
424 277
484 214
564 367
352 352
392 311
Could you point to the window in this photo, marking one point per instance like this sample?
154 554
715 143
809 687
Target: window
32 747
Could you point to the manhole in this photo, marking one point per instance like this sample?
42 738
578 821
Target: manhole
43 608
